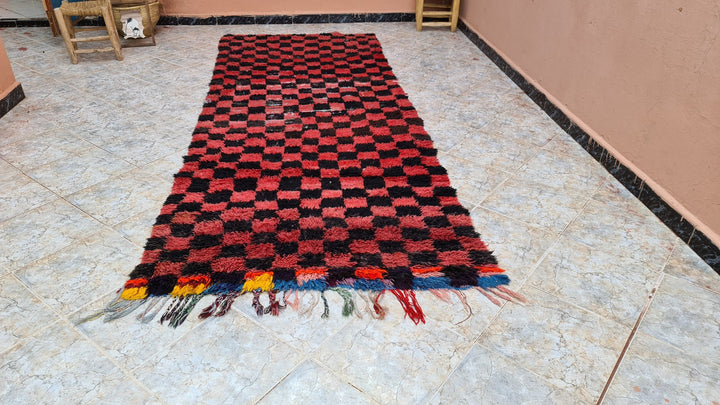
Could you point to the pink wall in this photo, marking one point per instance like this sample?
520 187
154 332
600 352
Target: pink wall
642 77
208 8
7 79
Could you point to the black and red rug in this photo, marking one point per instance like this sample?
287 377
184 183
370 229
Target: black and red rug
309 169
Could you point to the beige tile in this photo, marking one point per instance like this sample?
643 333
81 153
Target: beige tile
138 227
7 170
305 332
84 169
454 315
573 172
473 184
653 372
167 167
685 315
517 246
393 360
141 148
242 362
42 231
23 313
536 204
35 151
82 273
621 231
485 377
686 264
130 342
20 122
20 194
311 383
611 285
114 200
494 151
58 365
571 348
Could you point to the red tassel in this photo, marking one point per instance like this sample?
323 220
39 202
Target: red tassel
207 312
274 307
377 307
409 303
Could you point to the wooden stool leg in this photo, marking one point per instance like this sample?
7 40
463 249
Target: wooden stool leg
112 32
419 6
454 15
62 25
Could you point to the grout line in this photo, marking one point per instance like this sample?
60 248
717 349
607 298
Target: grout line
630 338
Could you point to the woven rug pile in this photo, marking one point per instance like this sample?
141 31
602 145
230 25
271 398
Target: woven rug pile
309 169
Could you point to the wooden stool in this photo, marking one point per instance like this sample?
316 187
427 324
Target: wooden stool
96 8
449 9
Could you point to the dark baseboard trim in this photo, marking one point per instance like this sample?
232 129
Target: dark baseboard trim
239 20
12 99
696 240
288 19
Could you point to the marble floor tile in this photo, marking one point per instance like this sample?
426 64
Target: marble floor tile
137 228
21 194
168 166
7 170
141 148
536 204
492 150
393 360
485 377
78 275
59 365
611 285
653 372
306 332
35 151
121 197
19 122
23 313
476 185
130 342
574 172
227 359
621 231
571 348
536 135
455 316
40 232
85 168
517 246
686 316
686 264
615 194
311 383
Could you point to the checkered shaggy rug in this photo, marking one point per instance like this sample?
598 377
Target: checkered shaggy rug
309 169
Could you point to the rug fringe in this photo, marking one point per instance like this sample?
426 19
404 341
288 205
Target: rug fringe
409 303
375 297
348 303
468 309
178 308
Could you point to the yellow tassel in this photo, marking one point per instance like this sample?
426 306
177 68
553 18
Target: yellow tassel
263 282
188 289
134 293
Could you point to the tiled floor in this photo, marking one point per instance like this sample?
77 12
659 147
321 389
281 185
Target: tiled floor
86 162
21 9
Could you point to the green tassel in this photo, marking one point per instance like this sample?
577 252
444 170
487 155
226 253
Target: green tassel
326 313
349 306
